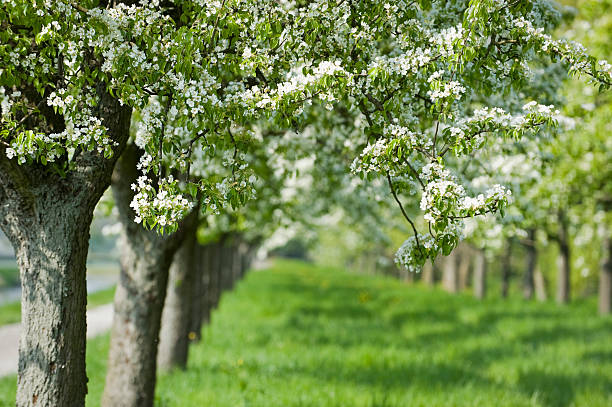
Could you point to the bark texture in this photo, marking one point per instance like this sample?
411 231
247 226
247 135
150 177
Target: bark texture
145 259
532 262
199 304
480 275
428 273
506 269
47 217
605 278
540 285
450 276
227 262
176 315
463 271
564 271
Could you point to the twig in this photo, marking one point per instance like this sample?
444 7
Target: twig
80 8
416 234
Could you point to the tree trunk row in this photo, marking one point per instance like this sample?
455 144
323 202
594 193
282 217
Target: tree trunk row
168 287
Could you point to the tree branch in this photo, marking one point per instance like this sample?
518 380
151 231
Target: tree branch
416 234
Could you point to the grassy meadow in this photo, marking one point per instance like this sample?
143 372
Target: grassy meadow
299 335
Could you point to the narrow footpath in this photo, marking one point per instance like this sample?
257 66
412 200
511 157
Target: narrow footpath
99 320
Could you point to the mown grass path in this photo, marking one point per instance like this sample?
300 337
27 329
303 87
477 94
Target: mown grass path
300 335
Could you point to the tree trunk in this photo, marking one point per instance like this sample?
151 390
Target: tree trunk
464 267
226 266
199 300
540 285
506 269
244 258
480 275
428 273
450 278
145 259
54 298
605 278
532 262
176 314
563 276
47 217
236 261
215 276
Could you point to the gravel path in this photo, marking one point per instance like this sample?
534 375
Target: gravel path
99 320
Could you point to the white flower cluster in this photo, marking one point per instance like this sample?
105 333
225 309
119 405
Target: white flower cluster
412 255
384 155
452 89
298 85
150 123
408 63
443 198
572 52
543 110
164 205
433 171
446 41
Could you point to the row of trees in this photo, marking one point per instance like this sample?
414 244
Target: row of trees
555 234
204 91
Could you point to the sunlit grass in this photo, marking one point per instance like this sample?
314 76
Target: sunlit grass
300 335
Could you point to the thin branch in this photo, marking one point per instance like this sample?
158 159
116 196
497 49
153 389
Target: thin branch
78 7
190 150
214 32
235 153
26 117
414 172
416 234
161 140
435 140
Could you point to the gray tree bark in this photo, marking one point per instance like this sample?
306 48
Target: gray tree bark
605 278
463 271
532 262
564 271
145 259
215 276
480 275
450 277
47 217
244 258
540 285
176 315
428 273
506 269
227 260
200 290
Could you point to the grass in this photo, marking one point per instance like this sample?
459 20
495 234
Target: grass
9 276
300 335
11 313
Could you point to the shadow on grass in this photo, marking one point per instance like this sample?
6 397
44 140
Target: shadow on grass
337 318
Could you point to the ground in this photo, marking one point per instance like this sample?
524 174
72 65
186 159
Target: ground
300 335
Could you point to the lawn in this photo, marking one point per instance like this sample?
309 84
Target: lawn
9 274
299 335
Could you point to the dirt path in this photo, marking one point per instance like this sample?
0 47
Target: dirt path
99 320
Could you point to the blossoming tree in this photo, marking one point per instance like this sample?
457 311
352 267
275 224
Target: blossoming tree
200 74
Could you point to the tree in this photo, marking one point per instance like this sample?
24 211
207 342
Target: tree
60 135
139 298
199 75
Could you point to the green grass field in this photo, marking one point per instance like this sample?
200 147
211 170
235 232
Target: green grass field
299 335
9 275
